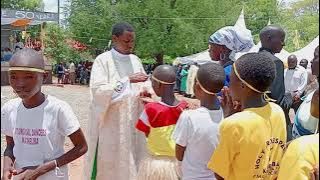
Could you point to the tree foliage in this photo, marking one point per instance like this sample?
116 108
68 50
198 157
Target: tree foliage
22 4
301 22
164 28
57 48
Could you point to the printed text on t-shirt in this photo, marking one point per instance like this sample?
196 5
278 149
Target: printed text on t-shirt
30 136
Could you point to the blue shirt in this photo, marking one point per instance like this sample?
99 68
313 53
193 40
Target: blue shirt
227 71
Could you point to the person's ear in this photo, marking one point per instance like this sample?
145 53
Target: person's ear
197 89
114 39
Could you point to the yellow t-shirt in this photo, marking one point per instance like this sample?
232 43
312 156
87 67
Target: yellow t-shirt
252 143
300 158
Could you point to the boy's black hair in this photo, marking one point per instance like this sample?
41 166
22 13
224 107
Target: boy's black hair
211 76
119 28
165 73
257 69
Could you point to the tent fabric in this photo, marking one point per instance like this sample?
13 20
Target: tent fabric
241 22
308 51
200 58
283 55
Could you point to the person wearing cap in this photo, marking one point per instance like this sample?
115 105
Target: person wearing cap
224 43
35 125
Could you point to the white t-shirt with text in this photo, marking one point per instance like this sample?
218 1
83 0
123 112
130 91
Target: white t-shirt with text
39 133
198 131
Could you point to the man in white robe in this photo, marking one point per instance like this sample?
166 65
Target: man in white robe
117 78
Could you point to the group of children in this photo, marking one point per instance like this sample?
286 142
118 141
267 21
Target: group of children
240 135
218 140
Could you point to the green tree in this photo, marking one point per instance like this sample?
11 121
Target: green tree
22 4
164 28
56 46
301 22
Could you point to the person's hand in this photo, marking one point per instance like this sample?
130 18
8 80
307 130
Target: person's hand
147 100
296 98
138 77
7 174
314 174
28 174
145 93
228 105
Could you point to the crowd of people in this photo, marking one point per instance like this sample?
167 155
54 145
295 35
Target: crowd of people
73 73
138 129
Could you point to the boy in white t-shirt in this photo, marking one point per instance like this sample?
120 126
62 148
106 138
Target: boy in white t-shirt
196 133
35 125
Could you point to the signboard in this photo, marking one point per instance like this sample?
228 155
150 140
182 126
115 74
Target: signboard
37 16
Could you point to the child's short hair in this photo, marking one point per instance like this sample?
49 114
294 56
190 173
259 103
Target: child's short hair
211 76
257 69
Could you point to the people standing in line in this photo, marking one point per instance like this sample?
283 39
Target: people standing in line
272 41
302 155
252 140
157 122
304 123
196 133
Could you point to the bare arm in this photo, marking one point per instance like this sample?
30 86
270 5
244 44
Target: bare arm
79 149
8 159
218 177
180 152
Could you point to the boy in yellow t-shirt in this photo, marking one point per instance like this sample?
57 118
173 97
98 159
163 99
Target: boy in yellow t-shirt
252 141
302 155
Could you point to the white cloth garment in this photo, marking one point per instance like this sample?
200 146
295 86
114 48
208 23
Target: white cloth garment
234 38
72 68
113 114
39 133
295 80
198 131
192 73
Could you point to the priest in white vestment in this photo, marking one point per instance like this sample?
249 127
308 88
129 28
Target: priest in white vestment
117 80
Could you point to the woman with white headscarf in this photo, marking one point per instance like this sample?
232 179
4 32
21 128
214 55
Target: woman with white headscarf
224 43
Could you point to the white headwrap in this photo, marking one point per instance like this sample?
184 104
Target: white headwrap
234 38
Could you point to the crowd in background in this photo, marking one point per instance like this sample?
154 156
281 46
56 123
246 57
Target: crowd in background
73 73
